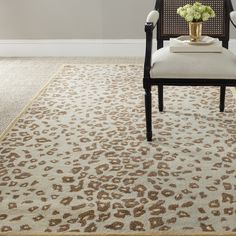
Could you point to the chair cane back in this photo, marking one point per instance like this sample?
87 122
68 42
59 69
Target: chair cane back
172 25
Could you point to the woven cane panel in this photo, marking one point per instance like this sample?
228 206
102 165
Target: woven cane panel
173 24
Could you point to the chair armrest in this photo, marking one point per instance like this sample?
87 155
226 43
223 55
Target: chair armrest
233 18
153 18
150 25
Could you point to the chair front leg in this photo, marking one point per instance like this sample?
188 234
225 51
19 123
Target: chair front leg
222 98
225 43
160 97
148 112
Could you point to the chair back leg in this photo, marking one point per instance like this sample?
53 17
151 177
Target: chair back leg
148 112
222 98
160 97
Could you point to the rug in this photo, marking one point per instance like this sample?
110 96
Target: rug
76 159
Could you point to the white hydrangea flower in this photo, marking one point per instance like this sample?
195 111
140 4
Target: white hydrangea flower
197 15
179 10
212 14
187 6
183 13
189 18
196 12
190 11
202 9
205 16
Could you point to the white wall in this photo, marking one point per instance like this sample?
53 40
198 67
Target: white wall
75 19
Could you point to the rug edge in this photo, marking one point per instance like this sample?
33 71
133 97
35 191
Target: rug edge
41 90
171 233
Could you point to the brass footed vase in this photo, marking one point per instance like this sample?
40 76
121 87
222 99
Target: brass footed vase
195 31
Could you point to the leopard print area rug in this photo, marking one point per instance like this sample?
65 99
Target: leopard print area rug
76 160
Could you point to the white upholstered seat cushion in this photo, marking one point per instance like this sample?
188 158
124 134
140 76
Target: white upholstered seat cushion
193 65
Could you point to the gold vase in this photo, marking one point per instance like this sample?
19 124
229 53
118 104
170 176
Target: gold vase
195 31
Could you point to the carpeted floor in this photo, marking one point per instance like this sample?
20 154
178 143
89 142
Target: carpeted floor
77 160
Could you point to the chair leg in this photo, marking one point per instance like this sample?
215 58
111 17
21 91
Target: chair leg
160 97
160 44
148 111
225 43
222 98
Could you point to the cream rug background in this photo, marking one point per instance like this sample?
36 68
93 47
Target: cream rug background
77 159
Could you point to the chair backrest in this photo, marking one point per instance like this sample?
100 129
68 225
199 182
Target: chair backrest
172 25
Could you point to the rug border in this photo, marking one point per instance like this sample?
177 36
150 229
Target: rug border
22 112
159 233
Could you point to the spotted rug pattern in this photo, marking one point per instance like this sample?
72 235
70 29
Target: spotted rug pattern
77 159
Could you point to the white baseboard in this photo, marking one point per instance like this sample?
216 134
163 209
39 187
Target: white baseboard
72 48
80 48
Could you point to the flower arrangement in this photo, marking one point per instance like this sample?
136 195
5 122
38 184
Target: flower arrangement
196 12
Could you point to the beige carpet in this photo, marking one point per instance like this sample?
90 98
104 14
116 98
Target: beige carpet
77 160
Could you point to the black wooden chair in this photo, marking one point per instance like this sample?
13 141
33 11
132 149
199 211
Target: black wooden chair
166 68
